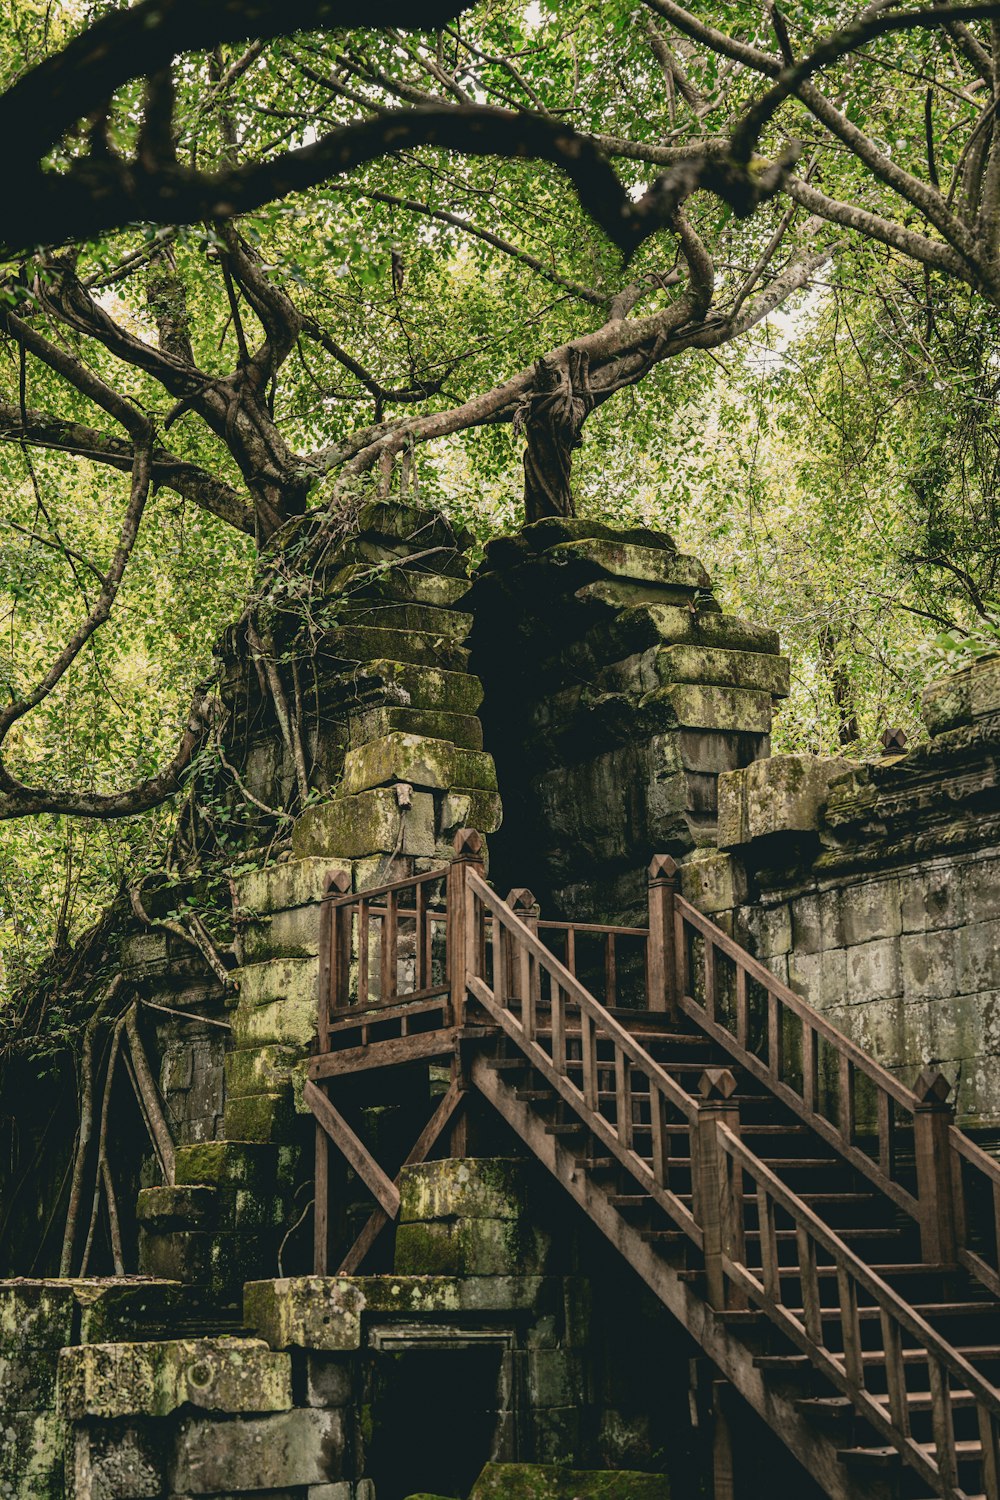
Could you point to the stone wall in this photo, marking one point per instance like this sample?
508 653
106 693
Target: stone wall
616 693
875 890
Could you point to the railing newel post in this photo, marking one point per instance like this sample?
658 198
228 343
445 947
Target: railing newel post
462 936
718 1185
662 990
937 1187
523 971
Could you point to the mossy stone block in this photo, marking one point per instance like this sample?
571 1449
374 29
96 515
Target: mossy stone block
296 882
447 624
32 1448
464 730
554 1482
261 1117
258 1070
154 1379
419 760
288 979
621 559
466 807
471 1247
463 1187
753 670
308 1312
190 1203
782 794
204 1258
698 707
402 580
407 685
355 645
400 522
713 882
282 1452
962 697
284 1023
28 1381
226 1162
370 822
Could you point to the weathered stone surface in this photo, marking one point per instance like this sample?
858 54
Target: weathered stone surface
370 822
118 1460
287 979
751 670
190 1203
296 882
330 1380
261 1117
782 795
464 730
463 1187
288 1449
471 1247
713 882
309 1312
31 1455
154 1379
963 697
555 1482
418 760
324 1313
249 1166
412 685
259 1070
464 807
279 1022
624 560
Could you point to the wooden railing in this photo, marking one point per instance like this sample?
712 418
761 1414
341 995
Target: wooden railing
902 1353
383 955
890 1133
903 1363
576 1044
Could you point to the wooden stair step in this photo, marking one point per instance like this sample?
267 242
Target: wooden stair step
870 1458
925 1309
874 1357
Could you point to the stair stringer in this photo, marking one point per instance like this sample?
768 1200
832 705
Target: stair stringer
813 1450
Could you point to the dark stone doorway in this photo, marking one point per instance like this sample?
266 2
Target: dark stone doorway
437 1410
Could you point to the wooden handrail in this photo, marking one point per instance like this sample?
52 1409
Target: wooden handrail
580 995
805 1100
717 1222
935 1461
755 970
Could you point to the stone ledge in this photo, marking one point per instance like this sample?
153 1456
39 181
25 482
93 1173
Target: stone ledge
784 794
154 1379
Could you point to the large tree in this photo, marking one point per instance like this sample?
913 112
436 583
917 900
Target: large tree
452 256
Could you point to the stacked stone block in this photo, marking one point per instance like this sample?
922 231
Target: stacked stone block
390 719
616 693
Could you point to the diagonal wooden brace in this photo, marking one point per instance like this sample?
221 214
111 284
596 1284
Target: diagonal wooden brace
354 1149
422 1147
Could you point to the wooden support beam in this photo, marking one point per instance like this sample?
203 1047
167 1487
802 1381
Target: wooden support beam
353 1148
422 1147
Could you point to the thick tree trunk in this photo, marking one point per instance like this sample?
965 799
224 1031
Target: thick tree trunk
552 424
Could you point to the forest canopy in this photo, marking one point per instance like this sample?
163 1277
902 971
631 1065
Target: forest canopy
724 271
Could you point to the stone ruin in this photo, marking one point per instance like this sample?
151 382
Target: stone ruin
582 700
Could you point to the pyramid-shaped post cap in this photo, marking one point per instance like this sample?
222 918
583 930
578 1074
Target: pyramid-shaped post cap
662 867
339 883
932 1087
521 899
468 841
717 1083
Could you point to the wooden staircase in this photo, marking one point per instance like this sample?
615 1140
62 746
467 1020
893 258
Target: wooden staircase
826 1235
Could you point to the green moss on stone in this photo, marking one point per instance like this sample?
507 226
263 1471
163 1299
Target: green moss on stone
553 1482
